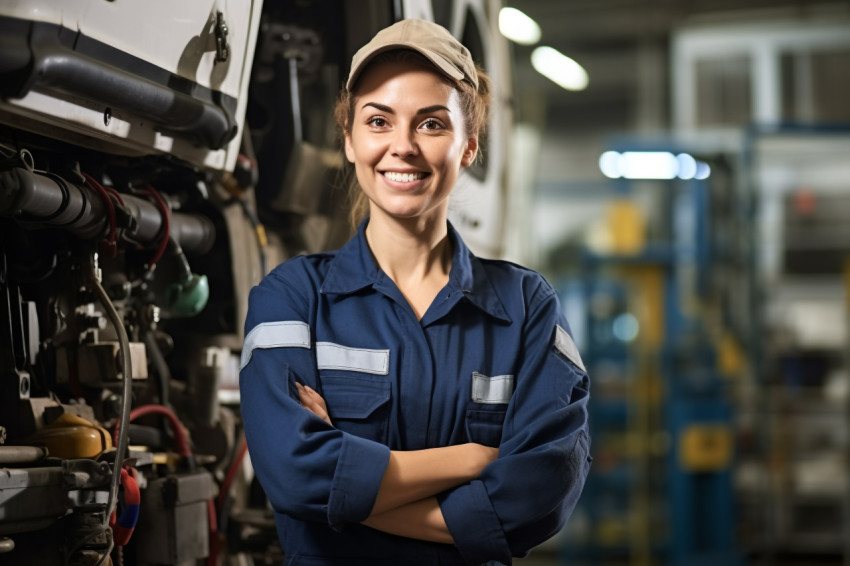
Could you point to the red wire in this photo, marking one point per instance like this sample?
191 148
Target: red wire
183 448
110 209
212 559
232 470
231 474
182 444
166 221
121 530
116 194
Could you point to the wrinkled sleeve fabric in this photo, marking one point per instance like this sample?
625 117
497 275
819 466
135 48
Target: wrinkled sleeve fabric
308 469
528 493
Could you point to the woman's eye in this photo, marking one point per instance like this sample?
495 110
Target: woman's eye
431 125
377 122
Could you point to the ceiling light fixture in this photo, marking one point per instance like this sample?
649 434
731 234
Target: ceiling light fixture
518 27
652 165
559 68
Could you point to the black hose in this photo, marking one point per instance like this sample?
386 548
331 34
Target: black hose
163 373
47 199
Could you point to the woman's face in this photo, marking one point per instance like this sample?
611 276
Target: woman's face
408 140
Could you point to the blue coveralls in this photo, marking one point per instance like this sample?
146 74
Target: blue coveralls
491 361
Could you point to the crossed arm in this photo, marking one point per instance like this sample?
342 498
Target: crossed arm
406 504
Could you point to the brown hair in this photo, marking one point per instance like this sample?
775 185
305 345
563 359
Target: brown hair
475 105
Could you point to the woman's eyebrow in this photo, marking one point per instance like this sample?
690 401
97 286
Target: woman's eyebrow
432 109
426 110
380 107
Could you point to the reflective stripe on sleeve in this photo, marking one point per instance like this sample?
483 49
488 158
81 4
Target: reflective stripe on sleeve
492 390
281 334
564 344
334 356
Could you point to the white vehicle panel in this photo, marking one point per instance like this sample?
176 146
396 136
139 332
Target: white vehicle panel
178 38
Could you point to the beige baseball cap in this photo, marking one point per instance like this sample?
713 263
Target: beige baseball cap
430 39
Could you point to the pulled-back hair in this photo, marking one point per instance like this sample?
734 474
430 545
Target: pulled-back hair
475 107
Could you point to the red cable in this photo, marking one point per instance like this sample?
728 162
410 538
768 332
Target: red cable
231 474
123 526
166 221
181 443
112 191
110 210
183 449
212 559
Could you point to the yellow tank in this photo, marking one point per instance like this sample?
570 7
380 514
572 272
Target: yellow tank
70 436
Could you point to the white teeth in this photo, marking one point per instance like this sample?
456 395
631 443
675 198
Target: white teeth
403 177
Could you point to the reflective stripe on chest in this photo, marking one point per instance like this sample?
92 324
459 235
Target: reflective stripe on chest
366 360
492 390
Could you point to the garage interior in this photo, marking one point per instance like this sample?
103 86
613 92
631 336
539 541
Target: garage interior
691 205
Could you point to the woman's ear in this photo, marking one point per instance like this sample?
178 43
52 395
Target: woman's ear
349 150
469 152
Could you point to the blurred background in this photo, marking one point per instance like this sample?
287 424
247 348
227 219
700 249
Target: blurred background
690 198
679 170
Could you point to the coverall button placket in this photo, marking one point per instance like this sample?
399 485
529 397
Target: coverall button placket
445 374
416 380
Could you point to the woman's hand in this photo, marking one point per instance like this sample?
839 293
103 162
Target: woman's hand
414 476
313 402
483 456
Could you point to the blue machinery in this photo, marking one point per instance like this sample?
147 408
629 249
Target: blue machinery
661 488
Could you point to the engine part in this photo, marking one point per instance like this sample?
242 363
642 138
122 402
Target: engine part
31 498
172 524
97 364
47 199
204 385
70 436
34 498
15 455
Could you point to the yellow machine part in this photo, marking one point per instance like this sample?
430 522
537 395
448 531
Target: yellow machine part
705 447
627 226
730 357
70 436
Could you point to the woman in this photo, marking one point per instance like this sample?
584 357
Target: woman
404 401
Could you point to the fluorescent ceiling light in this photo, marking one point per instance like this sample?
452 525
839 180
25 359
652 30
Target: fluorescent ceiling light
648 165
687 166
609 164
559 68
652 165
518 27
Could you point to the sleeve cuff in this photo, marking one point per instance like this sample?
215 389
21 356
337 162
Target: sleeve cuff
357 478
473 523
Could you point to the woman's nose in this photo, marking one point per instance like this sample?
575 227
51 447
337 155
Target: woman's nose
404 143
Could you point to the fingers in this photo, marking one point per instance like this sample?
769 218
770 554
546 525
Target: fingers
313 402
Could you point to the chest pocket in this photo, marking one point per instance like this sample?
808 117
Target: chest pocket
489 401
356 389
358 405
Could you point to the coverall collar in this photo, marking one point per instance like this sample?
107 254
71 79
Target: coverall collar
354 268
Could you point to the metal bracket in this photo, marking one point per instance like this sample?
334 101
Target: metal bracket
222 47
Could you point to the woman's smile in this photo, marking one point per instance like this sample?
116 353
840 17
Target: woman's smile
404 178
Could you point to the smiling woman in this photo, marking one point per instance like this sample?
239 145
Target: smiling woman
407 140
469 118
406 402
